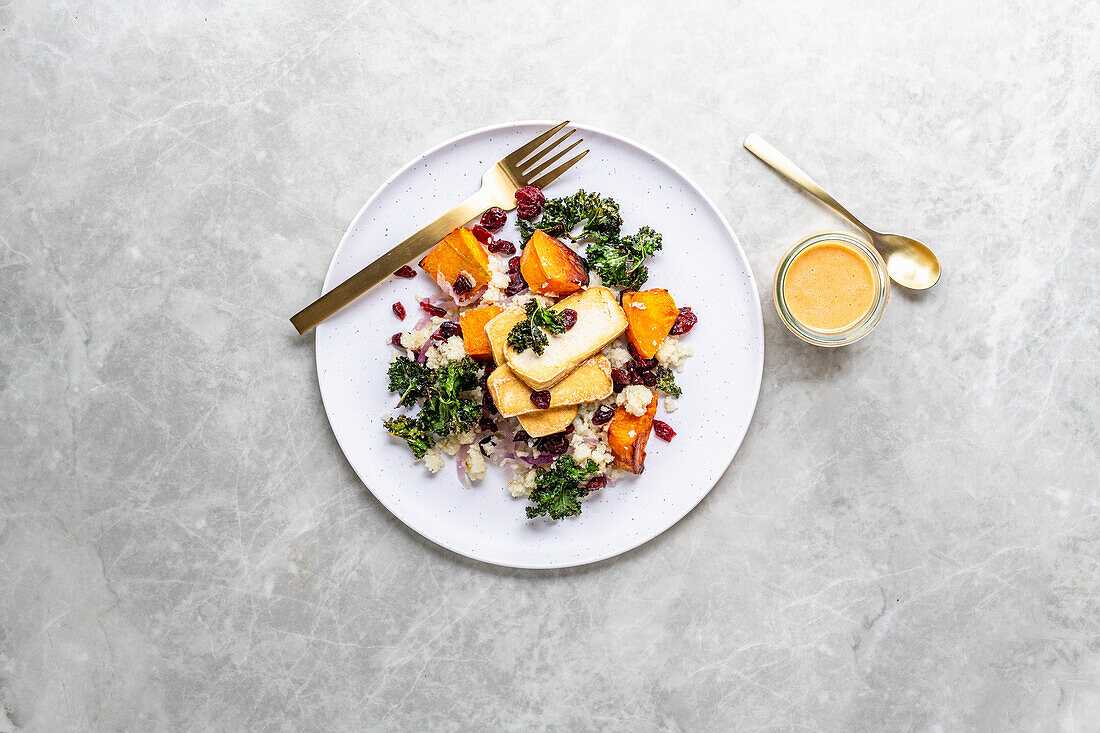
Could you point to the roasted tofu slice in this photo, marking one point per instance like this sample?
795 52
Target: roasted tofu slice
600 320
589 382
497 331
541 423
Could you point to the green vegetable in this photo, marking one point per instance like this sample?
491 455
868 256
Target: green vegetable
445 413
666 381
558 490
529 333
409 379
561 216
619 262
412 432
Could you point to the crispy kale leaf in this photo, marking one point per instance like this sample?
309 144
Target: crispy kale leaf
558 490
410 380
666 381
445 413
412 432
619 262
529 333
561 216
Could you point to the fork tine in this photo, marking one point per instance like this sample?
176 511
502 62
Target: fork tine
543 151
543 166
552 176
518 155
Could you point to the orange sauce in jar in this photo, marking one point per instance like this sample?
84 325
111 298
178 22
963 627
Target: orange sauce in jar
829 286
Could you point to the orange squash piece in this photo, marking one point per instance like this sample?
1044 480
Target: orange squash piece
550 268
472 323
650 315
628 434
460 254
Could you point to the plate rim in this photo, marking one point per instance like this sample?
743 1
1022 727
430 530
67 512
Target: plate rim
756 306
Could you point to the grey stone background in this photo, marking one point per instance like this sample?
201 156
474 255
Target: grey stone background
909 538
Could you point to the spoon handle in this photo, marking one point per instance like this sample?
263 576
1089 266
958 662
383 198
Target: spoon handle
762 149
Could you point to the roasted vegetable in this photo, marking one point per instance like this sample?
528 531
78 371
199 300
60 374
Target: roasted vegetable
409 379
459 265
412 432
562 215
473 330
558 490
628 434
529 333
666 381
650 315
551 268
620 262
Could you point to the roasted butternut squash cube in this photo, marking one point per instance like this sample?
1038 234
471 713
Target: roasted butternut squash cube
459 265
550 268
628 434
472 323
650 315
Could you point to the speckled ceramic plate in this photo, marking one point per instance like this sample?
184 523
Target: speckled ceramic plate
702 264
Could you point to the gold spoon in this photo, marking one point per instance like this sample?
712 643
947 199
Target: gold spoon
910 263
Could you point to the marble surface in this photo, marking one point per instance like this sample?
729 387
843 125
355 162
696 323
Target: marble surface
909 538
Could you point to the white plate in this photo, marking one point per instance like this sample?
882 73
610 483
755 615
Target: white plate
702 265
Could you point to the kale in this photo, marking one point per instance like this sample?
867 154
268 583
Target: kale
409 379
445 413
619 262
561 216
529 333
558 490
412 432
666 381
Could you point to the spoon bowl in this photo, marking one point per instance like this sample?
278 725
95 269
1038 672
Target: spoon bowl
910 263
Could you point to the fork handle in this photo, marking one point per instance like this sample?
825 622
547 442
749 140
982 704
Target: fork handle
417 244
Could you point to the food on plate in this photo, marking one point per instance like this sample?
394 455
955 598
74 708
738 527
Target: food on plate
550 268
589 382
628 433
541 423
459 265
472 323
550 363
600 320
650 315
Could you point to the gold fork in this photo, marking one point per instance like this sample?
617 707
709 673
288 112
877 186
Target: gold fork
524 167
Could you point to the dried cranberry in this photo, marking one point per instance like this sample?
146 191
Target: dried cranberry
603 414
405 272
649 364
494 219
487 403
633 352
618 387
431 310
649 379
530 195
502 247
524 211
513 265
621 376
399 310
462 285
541 399
684 322
634 372
555 444
568 318
663 430
396 340
596 482
447 329
569 429
485 423
521 436
482 234
516 286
